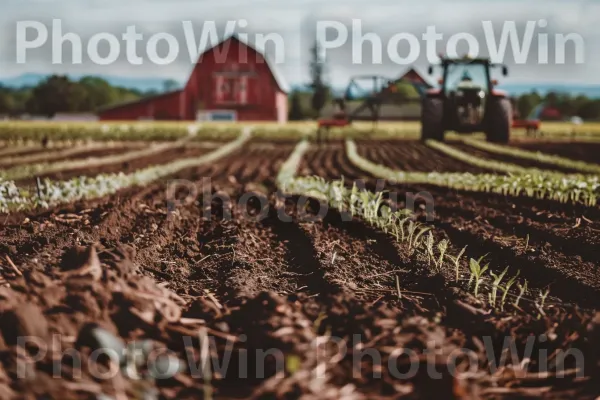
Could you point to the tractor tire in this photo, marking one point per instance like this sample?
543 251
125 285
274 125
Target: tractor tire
432 119
499 121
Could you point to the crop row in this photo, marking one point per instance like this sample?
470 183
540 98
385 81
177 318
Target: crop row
36 131
530 183
45 156
467 158
58 192
416 238
31 170
550 159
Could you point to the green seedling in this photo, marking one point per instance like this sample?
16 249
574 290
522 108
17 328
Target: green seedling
442 247
456 261
477 272
506 288
522 291
495 285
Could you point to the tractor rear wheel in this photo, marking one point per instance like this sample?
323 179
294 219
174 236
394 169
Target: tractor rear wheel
432 119
499 121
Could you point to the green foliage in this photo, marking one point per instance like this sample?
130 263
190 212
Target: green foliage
456 261
296 110
406 91
522 291
506 288
527 103
59 94
523 182
59 192
400 224
496 285
477 271
566 104
36 131
320 90
534 156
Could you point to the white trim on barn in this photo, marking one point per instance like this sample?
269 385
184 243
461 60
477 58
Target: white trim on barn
217 115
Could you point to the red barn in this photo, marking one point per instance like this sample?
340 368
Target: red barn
230 81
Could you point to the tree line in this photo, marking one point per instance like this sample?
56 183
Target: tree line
59 94
567 105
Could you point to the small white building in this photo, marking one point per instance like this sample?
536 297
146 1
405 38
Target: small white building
75 117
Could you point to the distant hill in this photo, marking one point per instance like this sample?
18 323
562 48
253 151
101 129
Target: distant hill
141 84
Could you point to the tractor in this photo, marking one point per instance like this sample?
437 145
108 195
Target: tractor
466 102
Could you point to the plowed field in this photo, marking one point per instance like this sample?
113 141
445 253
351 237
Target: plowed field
216 264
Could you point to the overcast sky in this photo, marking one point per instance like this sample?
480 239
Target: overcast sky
295 21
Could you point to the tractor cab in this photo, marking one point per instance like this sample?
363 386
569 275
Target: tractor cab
466 102
467 88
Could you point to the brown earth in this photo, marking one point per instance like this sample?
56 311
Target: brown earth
487 155
170 272
98 152
588 152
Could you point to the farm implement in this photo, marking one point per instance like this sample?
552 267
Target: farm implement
466 102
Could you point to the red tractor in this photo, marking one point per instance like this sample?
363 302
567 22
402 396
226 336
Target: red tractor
466 102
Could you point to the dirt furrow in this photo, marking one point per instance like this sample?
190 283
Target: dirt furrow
103 220
189 247
572 278
588 152
83 154
488 155
415 156
126 167
346 269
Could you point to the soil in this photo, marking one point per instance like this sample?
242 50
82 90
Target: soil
487 155
79 156
413 156
240 264
588 152
125 167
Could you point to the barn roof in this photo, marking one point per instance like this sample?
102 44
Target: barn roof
279 78
416 72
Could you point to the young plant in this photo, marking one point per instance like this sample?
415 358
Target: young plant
495 285
354 200
456 261
413 240
477 272
506 288
522 291
398 289
429 247
442 247
543 297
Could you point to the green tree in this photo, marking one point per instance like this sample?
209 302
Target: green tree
7 102
99 92
51 96
527 103
296 112
406 91
320 91
590 110
551 99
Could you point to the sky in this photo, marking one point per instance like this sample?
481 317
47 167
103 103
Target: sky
296 21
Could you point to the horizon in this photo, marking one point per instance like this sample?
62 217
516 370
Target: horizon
295 24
